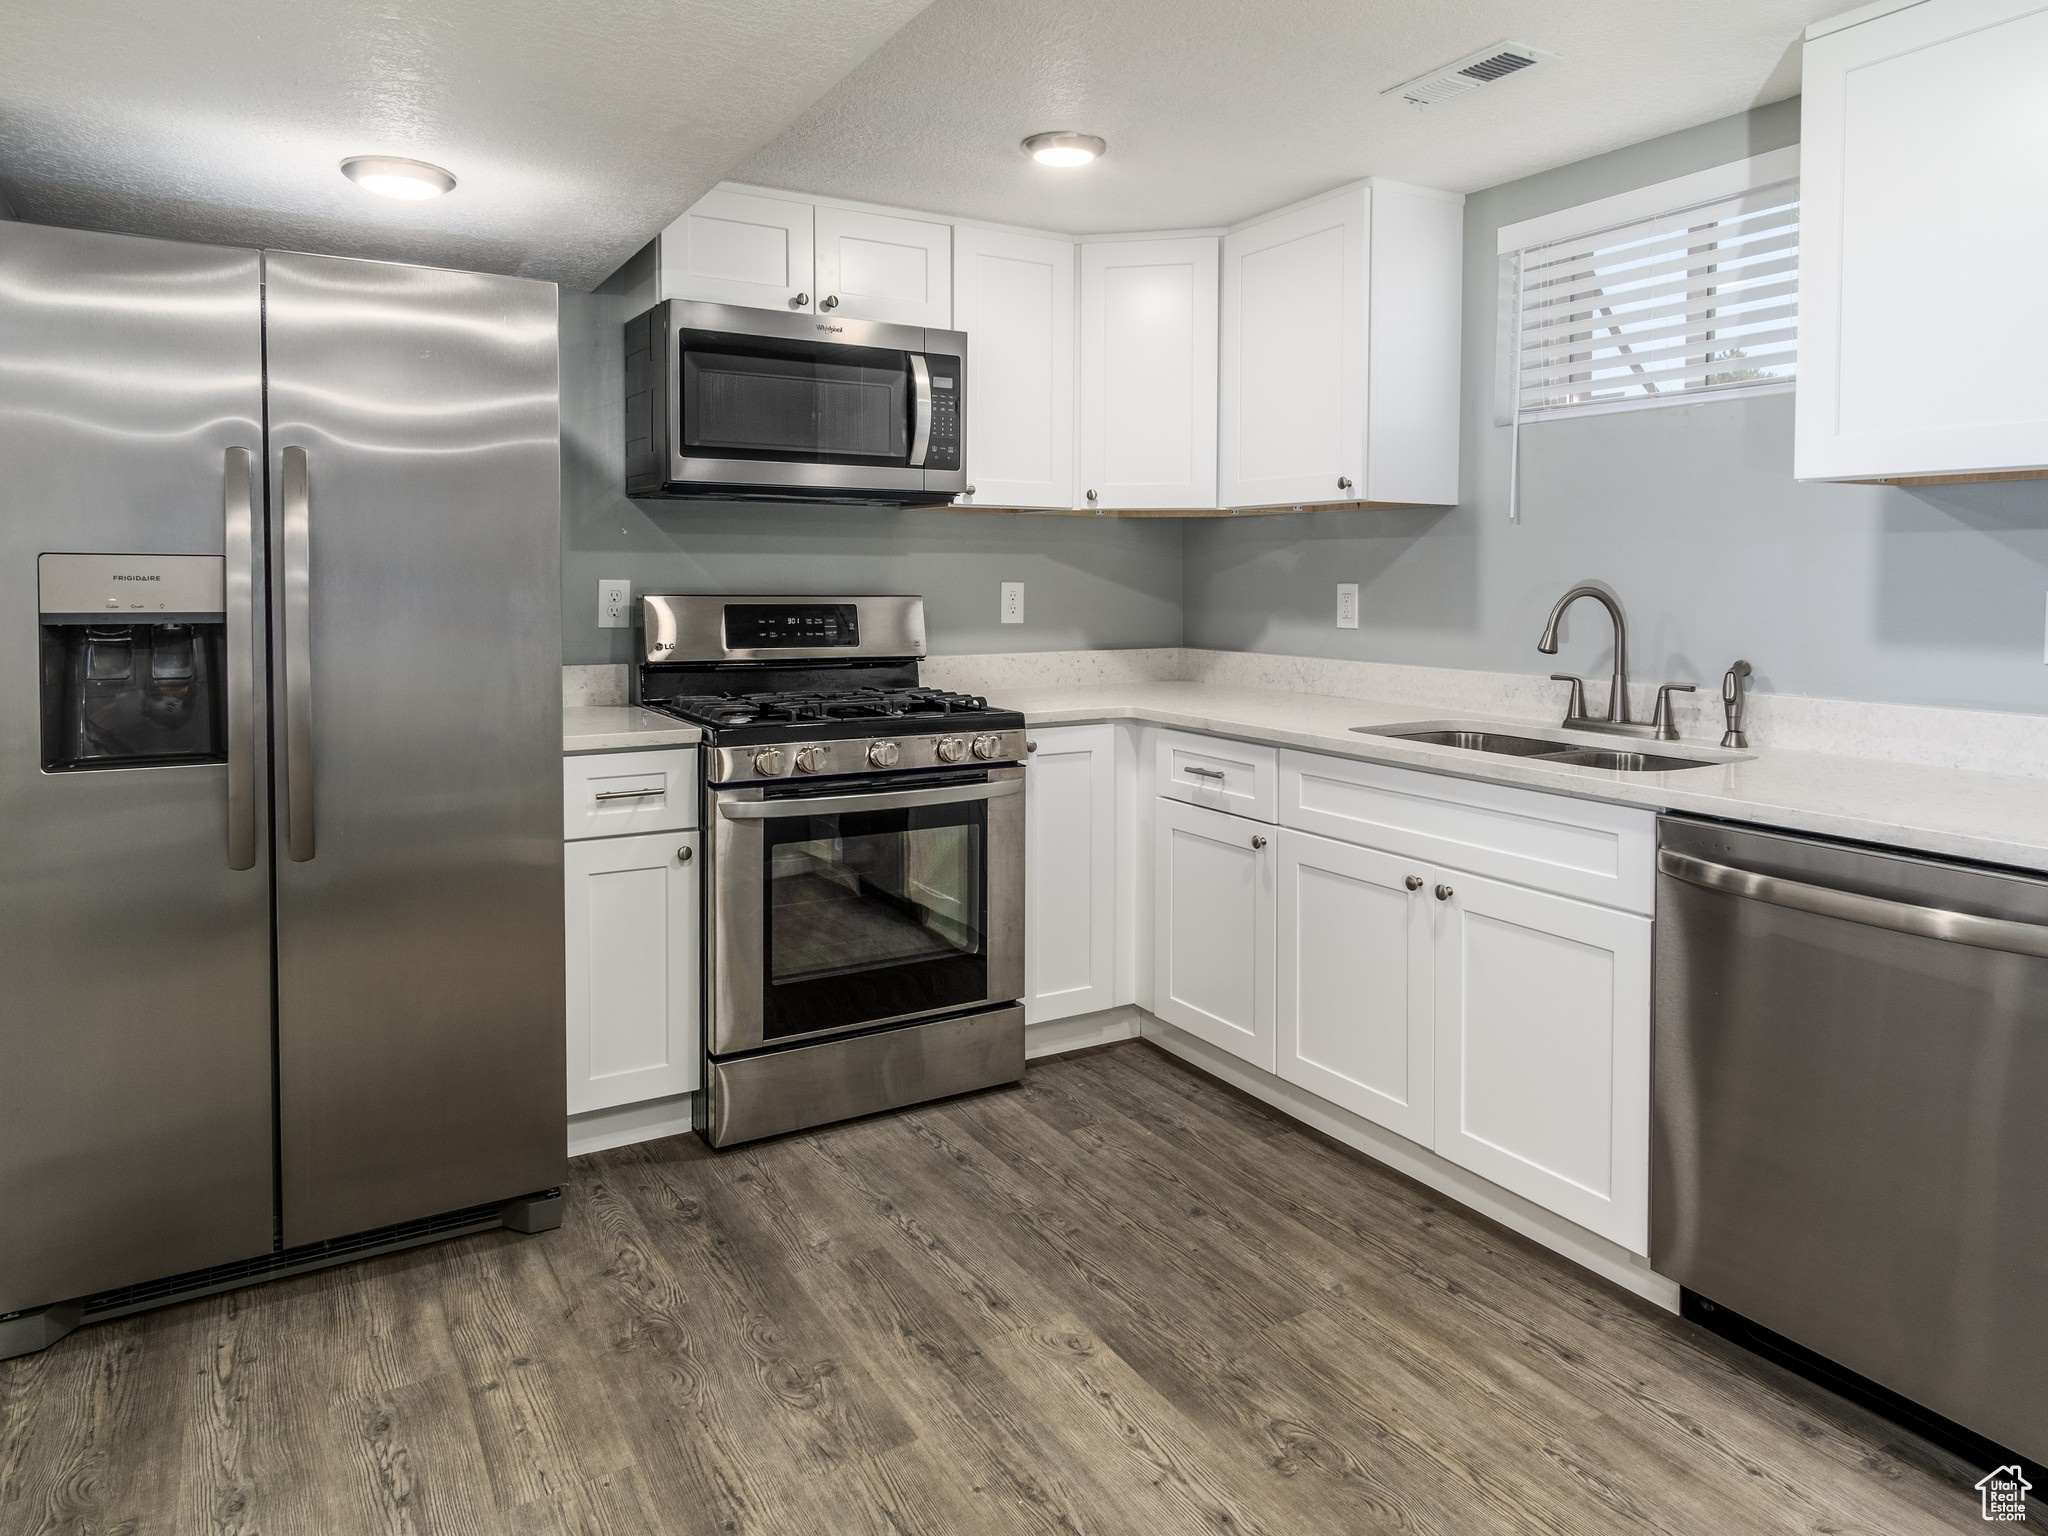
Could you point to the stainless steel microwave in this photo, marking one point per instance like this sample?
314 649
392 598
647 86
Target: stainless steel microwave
750 404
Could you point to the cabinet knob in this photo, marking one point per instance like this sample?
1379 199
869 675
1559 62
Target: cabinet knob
970 490
1030 746
1343 482
1443 893
830 301
800 301
1091 495
683 855
1257 841
1415 882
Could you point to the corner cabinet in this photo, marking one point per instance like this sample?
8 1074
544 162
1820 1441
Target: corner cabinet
1924 216
631 907
1340 359
1148 373
1014 297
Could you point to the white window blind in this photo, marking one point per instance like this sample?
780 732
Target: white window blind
1699 301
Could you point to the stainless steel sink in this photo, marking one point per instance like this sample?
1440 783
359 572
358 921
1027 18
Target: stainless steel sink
1481 741
1549 747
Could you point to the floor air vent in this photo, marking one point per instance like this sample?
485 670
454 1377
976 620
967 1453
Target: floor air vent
1467 74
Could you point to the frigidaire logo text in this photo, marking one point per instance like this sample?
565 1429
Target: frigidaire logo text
137 578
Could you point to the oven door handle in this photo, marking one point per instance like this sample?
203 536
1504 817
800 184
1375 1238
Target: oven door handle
884 800
921 415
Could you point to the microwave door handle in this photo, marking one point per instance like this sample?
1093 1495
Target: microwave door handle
921 410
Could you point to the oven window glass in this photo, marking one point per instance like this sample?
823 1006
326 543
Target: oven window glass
792 402
873 915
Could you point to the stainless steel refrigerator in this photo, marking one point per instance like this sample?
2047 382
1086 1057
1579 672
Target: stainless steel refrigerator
280 841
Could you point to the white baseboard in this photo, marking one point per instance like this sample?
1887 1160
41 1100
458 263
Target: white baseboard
599 1130
1058 1036
1608 1260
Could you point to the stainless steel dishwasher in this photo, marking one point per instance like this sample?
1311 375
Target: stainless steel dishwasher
1849 1148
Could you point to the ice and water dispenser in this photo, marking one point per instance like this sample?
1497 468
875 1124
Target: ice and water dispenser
133 658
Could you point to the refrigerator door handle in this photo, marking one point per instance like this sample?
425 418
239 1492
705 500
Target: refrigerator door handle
298 656
238 519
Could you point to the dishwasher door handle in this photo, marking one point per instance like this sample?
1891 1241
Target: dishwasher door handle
2003 933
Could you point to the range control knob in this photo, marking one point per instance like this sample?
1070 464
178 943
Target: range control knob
986 747
809 759
771 763
950 749
883 754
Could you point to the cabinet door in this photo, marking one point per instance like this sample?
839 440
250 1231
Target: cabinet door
1924 212
1357 980
1543 1051
1070 873
1014 297
1212 928
1293 354
740 248
632 953
876 266
1148 373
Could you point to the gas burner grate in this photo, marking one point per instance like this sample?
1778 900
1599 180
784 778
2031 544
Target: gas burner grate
734 709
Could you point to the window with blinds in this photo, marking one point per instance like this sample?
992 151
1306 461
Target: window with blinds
1697 302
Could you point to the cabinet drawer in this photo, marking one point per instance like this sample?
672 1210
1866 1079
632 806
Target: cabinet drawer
611 794
1580 848
1234 776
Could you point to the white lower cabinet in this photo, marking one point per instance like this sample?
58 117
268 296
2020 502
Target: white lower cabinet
1357 979
1070 928
632 968
1543 1050
1212 927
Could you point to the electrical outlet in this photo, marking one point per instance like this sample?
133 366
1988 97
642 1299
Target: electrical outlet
1013 602
1347 605
614 604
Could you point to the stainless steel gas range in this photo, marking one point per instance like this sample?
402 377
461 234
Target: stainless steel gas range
864 889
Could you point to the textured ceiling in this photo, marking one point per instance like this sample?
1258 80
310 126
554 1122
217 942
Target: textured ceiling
1216 110
576 128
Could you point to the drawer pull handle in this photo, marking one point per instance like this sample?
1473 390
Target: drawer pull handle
683 855
628 794
1443 893
1415 882
1258 842
1205 773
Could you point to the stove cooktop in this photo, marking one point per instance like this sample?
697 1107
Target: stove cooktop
753 717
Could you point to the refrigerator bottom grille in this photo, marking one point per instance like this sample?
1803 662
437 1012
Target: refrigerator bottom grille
288 1261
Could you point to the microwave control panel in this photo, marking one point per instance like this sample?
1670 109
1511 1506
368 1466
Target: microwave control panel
944 451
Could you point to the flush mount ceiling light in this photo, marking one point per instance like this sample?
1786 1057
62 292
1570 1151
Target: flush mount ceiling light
389 176
1067 149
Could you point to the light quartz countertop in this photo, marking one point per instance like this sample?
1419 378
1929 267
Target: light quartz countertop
621 728
1995 818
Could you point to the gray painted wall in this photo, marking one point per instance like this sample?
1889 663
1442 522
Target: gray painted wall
1088 582
1930 596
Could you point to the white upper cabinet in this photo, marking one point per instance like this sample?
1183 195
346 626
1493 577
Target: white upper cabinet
1014 297
740 248
1924 184
1148 373
1339 350
769 252
877 266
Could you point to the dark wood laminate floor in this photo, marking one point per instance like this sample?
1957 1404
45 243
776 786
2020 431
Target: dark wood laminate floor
1117 1299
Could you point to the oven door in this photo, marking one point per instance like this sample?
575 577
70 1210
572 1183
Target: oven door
845 905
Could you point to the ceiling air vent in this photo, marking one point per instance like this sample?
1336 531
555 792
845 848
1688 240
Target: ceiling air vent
1467 74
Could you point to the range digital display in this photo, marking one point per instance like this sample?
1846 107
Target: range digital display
793 626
